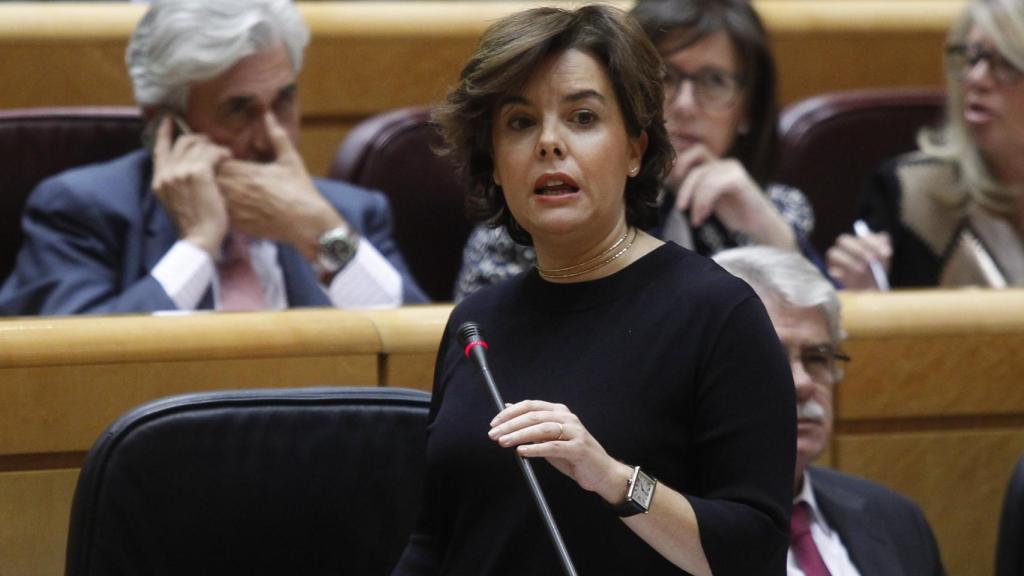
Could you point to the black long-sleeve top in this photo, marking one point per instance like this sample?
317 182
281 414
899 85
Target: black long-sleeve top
671 364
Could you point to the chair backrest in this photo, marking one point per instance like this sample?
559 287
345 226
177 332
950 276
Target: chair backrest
831 144
39 142
301 481
1010 546
394 152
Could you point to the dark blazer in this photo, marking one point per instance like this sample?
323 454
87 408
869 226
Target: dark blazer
93 234
884 533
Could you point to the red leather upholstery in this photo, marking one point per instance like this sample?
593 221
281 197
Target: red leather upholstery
830 145
39 142
394 153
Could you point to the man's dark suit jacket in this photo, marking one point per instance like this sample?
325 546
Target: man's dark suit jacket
93 234
884 533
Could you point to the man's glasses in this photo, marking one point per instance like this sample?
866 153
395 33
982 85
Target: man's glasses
821 361
714 88
962 58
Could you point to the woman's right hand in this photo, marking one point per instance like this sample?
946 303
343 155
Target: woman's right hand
848 260
708 185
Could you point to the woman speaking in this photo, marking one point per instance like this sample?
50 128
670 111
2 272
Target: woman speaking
952 213
721 114
630 365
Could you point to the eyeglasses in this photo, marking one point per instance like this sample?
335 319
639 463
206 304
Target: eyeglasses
820 361
714 88
962 58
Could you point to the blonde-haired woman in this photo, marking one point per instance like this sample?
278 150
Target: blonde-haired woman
953 213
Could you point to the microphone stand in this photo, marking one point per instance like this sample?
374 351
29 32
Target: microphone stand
469 335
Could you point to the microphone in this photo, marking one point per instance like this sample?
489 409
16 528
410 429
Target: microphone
475 346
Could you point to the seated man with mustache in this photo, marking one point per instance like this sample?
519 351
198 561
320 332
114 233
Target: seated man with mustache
841 524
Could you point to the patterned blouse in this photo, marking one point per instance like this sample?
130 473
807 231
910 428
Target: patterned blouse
491 255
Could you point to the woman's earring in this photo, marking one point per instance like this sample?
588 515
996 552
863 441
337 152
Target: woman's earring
634 171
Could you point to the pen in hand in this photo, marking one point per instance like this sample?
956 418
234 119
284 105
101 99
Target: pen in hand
860 228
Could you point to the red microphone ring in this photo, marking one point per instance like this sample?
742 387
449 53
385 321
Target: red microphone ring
475 343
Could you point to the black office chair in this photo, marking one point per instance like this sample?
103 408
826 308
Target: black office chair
291 481
1010 546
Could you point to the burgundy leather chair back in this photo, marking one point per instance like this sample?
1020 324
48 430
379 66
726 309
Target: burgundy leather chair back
394 152
830 145
39 142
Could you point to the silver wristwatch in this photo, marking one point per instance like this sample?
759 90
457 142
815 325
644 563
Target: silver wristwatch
639 493
337 248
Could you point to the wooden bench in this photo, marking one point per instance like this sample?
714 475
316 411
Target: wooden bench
931 404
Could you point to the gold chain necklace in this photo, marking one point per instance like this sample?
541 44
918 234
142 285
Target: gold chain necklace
594 263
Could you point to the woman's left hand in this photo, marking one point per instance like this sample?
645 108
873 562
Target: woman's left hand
539 429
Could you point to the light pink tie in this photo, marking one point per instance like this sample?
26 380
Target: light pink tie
802 544
240 287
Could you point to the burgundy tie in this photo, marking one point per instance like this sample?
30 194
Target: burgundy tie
240 287
802 544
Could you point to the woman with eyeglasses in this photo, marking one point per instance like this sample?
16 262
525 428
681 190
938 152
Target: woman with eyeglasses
721 114
952 213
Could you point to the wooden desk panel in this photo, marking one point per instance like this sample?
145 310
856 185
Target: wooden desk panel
84 340
919 354
34 512
957 476
409 340
932 407
409 371
59 409
921 376
63 380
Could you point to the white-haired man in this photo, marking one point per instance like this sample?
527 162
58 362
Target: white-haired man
841 525
219 212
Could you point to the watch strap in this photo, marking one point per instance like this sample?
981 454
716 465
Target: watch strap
628 508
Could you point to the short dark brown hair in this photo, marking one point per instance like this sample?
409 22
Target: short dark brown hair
508 52
687 22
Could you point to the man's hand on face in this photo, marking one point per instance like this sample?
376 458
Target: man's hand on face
277 200
184 180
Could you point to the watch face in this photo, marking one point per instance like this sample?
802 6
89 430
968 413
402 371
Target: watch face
337 247
643 490
342 249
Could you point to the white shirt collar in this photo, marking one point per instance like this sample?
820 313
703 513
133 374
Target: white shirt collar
806 494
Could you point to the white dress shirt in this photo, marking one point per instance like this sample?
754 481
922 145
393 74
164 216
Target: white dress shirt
368 281
829 544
